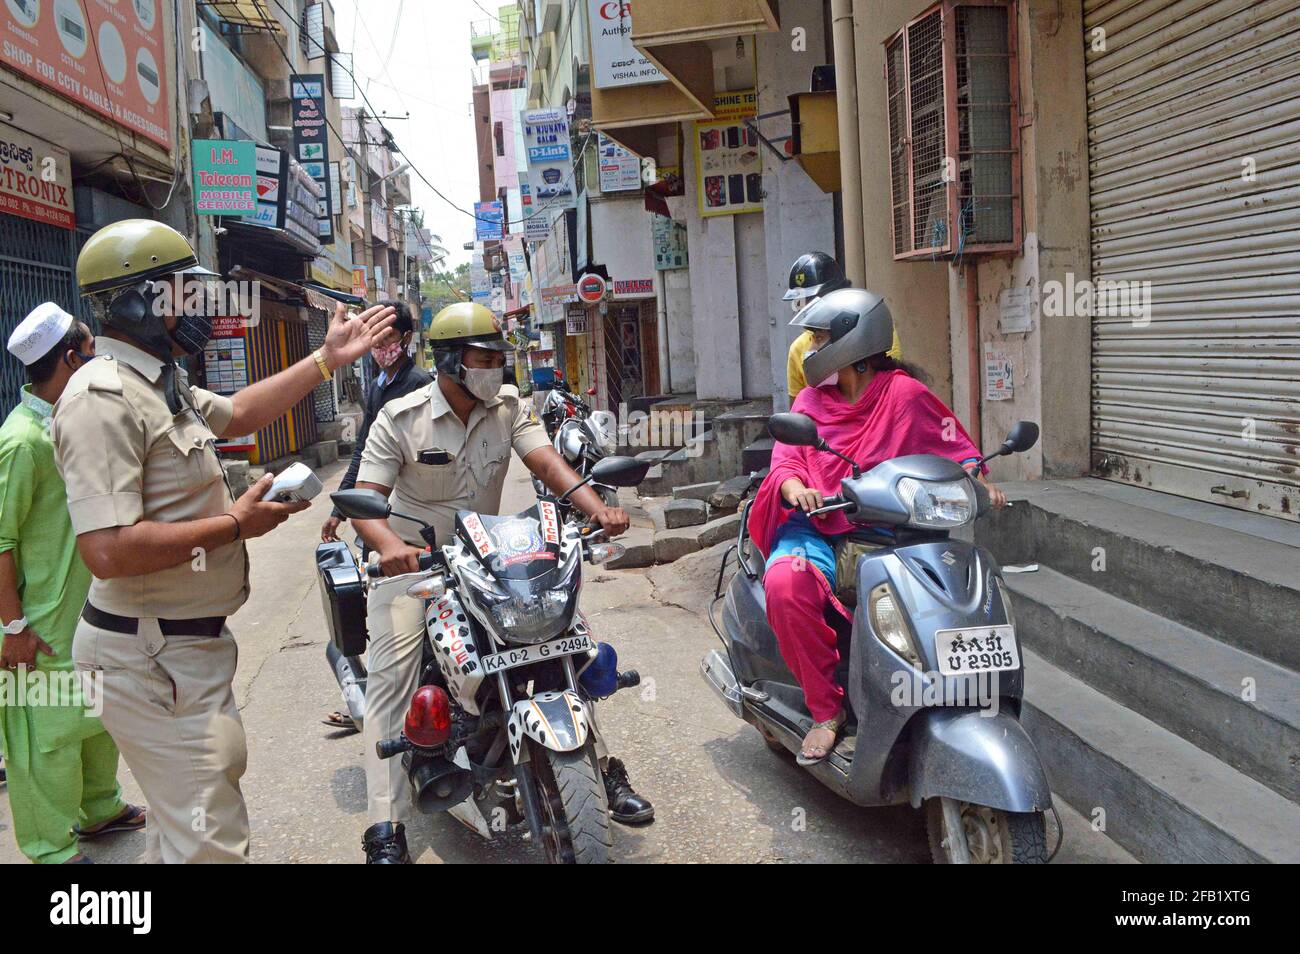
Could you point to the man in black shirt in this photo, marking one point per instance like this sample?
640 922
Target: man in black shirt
398 376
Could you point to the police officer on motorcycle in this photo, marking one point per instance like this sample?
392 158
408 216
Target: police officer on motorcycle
443 448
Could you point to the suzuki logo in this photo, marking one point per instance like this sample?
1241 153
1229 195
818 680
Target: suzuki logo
948 558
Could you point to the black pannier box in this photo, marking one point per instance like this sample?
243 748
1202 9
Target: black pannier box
343 597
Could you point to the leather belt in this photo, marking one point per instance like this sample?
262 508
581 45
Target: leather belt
200 626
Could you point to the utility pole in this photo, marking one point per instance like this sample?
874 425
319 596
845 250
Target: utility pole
371 285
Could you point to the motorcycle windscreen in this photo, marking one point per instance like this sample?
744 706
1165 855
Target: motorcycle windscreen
522 546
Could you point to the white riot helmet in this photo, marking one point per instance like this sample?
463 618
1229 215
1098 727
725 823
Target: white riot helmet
859 324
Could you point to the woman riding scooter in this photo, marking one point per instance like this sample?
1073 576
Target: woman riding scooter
869 407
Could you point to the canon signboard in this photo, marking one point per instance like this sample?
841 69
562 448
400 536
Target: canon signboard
614 60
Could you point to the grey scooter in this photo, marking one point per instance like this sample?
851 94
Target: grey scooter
930 664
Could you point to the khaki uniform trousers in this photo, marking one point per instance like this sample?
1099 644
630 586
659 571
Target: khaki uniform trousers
396 625
170 707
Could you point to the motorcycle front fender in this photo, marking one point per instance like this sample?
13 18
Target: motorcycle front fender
557 720
977 758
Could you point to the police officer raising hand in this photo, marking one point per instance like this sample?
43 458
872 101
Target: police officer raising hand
160 532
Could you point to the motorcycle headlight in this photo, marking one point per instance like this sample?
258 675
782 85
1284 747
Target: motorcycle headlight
532 618
939 504
890 627
522 615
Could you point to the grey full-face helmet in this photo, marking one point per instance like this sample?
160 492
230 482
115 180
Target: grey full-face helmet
859 324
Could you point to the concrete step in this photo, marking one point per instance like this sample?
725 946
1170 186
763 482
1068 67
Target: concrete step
1177 677
757 455
1235 580
1164 799
695 463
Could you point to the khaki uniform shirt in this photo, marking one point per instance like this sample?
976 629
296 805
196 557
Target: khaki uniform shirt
125 458
480 454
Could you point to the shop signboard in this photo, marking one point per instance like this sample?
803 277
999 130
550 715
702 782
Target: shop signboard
225 370
107 58
311 144
225 176
614 60
35 179
550 158
728 166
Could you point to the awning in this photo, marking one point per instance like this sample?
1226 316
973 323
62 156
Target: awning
247 14
679 37
289 241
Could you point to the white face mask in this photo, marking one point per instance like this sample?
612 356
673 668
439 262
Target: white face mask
483 383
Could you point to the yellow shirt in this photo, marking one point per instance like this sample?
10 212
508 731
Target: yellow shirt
795 381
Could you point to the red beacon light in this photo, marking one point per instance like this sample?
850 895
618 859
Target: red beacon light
428 720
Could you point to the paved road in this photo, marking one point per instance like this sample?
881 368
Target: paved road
720 795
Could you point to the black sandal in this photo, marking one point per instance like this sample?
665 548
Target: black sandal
132 819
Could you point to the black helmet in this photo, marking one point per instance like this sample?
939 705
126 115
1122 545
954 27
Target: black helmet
813 274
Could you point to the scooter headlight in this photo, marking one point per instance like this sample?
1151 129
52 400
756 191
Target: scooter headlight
938 504
888 624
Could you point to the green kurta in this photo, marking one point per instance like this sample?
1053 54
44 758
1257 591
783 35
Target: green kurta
62 764
52 579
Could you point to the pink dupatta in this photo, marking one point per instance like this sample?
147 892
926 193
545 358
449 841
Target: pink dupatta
896 415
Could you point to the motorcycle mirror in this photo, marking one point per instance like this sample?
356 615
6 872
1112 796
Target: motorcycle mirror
797 430
591 391
361 504
1023 435
620 471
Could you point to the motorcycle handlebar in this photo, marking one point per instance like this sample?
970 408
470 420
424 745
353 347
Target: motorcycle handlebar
375 571
831 504
387 748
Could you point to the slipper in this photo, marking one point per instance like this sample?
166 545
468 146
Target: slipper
834 724
339 720
131 819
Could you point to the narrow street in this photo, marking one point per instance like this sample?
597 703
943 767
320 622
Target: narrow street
719 794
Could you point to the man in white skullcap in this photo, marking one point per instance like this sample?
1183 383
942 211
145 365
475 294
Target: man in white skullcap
62 764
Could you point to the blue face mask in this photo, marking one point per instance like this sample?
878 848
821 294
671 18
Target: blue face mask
85 358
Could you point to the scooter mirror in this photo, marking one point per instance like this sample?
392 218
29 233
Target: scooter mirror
620 471
1023 435
361 504
797 430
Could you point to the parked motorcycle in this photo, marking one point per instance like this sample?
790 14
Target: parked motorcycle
501 721
580 435
930 663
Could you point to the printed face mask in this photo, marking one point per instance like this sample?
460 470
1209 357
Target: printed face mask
192 332
483 383
387 355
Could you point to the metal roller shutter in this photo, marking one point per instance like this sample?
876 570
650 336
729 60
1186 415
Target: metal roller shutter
1194 142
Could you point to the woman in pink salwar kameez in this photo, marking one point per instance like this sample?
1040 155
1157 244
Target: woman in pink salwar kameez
870 408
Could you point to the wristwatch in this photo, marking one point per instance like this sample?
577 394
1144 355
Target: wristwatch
16 627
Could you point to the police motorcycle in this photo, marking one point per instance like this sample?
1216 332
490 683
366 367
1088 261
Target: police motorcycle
930 662
500 727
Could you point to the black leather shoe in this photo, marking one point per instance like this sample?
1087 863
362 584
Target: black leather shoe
385 844
625 805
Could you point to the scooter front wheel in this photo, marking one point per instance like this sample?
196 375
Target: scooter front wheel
990 836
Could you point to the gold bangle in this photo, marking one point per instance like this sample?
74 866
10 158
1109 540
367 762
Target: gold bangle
325 372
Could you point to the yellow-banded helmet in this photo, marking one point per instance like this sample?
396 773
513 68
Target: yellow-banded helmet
129 252
461 325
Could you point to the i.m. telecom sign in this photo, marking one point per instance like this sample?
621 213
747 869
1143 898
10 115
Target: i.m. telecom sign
225 176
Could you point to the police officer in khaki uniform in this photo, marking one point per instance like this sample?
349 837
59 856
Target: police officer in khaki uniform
443 448
158 527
